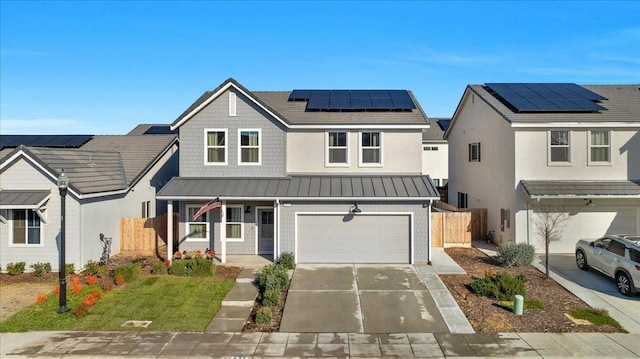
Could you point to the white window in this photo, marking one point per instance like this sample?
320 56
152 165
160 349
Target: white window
249 147
430 148
559 147
26 227
198 230
474 152
337 149
232 104
370 148
215 149
235 218
599 147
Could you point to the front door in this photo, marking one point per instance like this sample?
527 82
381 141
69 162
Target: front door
265 231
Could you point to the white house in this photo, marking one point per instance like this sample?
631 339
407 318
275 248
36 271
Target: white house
517 148
435 151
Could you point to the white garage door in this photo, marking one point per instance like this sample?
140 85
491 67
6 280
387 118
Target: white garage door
353 239
585 222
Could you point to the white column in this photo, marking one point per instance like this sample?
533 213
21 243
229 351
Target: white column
223 231
276 229
170 231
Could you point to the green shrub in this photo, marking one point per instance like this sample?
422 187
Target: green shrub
287 260
515 255
40 269
129 271
103 271
193 267
159 268
92 268
69 268
501 286
264 315
15 268
201 267
271 298
273 277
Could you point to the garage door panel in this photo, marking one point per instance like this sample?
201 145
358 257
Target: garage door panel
594 222
353 239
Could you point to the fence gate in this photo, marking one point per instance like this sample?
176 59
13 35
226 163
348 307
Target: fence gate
456 229
144 236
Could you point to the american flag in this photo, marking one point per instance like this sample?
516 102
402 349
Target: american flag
207 207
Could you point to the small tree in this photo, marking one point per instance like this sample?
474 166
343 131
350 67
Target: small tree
549 226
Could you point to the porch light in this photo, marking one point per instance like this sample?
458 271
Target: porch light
354 209
590 204
248 209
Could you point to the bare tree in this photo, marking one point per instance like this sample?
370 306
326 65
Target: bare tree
550 222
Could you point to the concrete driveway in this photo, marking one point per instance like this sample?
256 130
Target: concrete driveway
348 298
595 289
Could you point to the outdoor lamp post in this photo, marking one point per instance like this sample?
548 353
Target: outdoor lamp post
63 184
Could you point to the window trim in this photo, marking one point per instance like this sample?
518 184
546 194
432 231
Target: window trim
549 147
477 158
327 149
361 149
189 222
226 147
240 147
591 162
26 244
241 223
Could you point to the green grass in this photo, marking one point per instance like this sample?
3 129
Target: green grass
171 303
597 317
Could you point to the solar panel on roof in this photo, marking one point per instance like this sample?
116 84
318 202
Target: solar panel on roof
57 141
444 124
160 130
546 97
354 100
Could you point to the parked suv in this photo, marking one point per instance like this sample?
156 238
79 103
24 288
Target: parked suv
617 256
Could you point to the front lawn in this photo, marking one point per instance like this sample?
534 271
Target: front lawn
171 303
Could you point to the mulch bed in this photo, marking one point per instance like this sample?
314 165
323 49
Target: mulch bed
274 326
487 316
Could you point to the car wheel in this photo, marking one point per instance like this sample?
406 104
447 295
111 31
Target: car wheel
624 283
581 260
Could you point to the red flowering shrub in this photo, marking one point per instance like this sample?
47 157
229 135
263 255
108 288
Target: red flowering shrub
57 289
107 287
91 280
81 310
119 279
42 297
76 287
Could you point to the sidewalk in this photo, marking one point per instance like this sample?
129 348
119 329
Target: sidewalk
225 345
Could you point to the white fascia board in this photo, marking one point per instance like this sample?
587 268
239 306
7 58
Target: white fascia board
300 199
359 127
592 196
574 124
216 95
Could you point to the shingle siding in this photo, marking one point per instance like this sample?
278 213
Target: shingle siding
248 116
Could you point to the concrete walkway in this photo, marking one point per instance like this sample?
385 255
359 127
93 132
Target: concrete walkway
236 307
225 345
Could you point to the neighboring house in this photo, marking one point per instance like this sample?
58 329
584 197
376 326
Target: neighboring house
109 177
435 152
332 176
516 148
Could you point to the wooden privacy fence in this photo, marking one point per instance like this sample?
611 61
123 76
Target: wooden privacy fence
143 236
456 229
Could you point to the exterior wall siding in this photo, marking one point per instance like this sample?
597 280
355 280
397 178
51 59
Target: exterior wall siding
489 183
420 221
216 116
436 163
401 153
21 175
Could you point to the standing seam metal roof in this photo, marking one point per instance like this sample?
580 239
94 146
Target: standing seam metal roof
582 188
330 187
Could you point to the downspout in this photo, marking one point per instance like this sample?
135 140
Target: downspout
276 244
170 231
223 231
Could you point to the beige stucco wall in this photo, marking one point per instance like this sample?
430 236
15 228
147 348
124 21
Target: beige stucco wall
489 183
436 163
401 153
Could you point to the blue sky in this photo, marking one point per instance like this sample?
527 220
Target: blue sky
103 67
